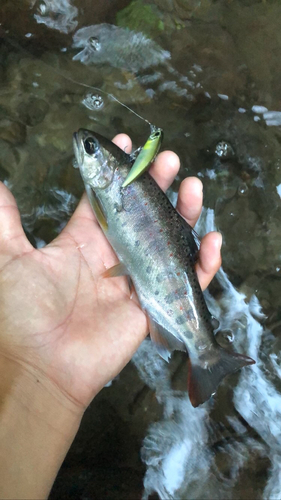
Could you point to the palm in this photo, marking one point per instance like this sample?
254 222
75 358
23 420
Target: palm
75 317
58 314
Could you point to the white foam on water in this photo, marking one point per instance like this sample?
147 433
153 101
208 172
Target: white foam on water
180 463
57 205
174 464
259 109
278 189
272 118
276 360
224 97
119 47
57 14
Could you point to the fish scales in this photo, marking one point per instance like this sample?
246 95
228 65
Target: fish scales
157 247
161 248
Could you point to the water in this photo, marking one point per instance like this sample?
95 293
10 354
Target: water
203 71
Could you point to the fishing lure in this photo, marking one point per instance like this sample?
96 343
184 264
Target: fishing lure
146 156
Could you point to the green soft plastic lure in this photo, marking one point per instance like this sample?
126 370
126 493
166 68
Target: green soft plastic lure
146 156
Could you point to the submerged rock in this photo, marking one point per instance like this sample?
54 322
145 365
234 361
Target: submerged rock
33 111
12 132
8 159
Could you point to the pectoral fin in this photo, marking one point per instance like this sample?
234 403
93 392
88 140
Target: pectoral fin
165 342
114 271
97 208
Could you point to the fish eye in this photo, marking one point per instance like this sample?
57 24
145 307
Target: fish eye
90 145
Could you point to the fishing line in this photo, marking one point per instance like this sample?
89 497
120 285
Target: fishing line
104 92
76 82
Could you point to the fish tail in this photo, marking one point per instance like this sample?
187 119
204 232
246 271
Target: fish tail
203 381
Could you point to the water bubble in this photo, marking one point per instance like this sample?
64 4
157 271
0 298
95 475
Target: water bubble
224 150
94 43
224 97
93 101
225 337
243 189
43 9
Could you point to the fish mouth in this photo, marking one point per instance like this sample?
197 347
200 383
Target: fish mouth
78 138
75 139
78 145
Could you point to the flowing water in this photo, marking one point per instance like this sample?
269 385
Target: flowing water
209 73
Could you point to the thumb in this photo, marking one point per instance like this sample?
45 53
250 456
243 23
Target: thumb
13 241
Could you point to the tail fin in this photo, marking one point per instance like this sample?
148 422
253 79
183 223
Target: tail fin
203 382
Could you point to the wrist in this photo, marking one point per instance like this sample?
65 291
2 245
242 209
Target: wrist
29 390
37 426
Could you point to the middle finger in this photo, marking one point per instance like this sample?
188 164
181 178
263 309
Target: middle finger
190 199
165 168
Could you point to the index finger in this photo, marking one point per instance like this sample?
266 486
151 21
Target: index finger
164 168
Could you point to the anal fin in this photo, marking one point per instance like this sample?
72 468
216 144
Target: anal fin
131 286
114 271
165 342
97 208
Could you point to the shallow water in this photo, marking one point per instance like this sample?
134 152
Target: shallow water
209 74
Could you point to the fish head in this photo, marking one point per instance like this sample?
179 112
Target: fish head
95 158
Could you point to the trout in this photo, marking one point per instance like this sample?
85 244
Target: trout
157 248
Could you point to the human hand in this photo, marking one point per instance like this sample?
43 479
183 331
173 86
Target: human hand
60 320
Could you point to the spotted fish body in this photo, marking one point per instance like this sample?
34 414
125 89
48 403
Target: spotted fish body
157 247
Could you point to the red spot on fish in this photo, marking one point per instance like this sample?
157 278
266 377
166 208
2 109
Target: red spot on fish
156 221
145 203
178 274
161 231
185 293
169 243
180 308
171 254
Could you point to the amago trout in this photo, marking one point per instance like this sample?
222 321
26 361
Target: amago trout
156 247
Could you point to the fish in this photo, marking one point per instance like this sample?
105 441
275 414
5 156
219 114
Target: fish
157 248
146 156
